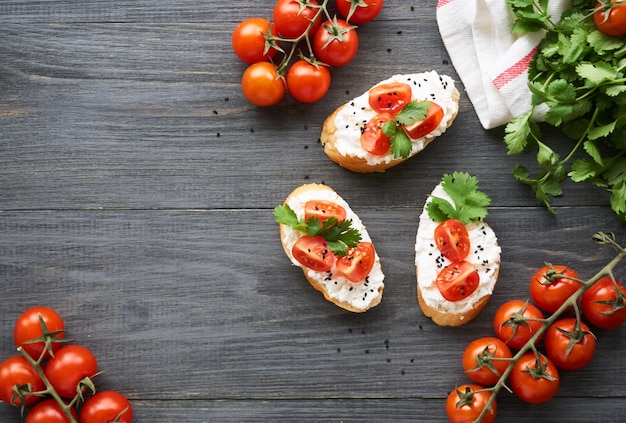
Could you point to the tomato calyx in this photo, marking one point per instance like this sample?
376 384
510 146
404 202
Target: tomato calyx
517 320
466 397
540 369
48 338
616 304
575 336
335 31
486 359
553 275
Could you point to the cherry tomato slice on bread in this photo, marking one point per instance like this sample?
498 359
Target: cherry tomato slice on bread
389 98
373 140
457 280
323 209
358 263
452 240
313 252
421 128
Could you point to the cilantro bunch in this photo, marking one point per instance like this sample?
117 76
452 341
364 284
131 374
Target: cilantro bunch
470 204
579 74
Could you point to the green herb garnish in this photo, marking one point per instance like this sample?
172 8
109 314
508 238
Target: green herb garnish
470 203
400 142
339 234
579 74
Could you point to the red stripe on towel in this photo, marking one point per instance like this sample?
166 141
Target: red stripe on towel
514 70
442 3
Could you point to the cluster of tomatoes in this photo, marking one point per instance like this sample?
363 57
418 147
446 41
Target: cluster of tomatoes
52 380
302 25
529 349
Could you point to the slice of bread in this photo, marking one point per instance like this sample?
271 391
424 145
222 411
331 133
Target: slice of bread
342 130
352 296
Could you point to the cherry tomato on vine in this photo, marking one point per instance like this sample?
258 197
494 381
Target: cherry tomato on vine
293 17
485 360
28 327
69 366
313 252
603 305
336 42
552 285
360 11
534 379
323 209
611 21
308 82
48 411
373 139
389 98
248 40
569 345
18 371
516 321
465 403
105 407
262 85
358 263
452 240
457 280
421 128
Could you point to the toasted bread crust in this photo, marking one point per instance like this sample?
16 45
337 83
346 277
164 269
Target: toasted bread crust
378 294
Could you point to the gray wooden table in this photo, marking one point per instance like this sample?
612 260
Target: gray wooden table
136 195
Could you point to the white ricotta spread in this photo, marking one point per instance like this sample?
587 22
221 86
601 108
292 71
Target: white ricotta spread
484 255
351 119
358 294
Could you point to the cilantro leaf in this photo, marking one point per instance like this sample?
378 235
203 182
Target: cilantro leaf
400 142
468 202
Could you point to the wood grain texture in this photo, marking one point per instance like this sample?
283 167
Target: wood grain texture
136 195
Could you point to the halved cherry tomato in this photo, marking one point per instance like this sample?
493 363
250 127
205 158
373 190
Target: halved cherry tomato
17 371
106 407
423 127
336 42
570 344
307 82
485 360
534 379
313 252
604 305
516 321
360 11
452 240
552 285
457 280
262 85
358 263
611 21
28 327
49 411
248 40
389 98
466 402
292 17
323 209
69 366
373 140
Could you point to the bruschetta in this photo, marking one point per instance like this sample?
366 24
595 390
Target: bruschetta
457 255
391 122
323 236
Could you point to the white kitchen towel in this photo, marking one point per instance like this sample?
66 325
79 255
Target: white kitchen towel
491 62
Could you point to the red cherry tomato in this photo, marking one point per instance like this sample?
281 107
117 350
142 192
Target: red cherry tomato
49 411
389 98
105 407
516 321
69 366
248 40
28 327
262 85
373 140
552 285
421 128
358 263
452 240
306 82
604 305
466 402
569 345
322 210
14 371
336 42
457 281
485 360
360 11
534 379
611 21
313 252
292 18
